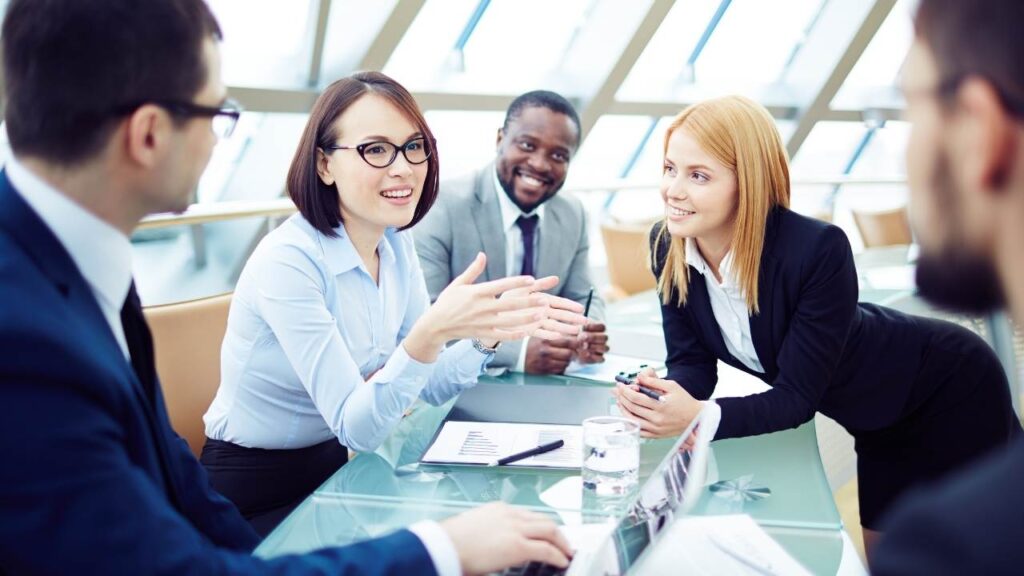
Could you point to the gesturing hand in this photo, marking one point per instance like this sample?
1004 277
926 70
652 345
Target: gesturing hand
505 309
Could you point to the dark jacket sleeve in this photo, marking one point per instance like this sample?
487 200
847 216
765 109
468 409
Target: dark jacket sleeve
969 523
212 514
812 347
690 363
72 502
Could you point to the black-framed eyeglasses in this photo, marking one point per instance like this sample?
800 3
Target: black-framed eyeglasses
382 154
225 117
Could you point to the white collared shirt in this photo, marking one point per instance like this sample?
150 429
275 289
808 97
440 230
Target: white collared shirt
514 251
728 305
102 254
313 348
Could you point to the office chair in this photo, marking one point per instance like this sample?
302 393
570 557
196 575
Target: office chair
187 337
885 228
626 245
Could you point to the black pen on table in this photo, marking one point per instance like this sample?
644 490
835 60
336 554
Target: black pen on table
543 448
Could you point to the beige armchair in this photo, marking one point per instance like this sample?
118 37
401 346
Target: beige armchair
626 246
885 228
187 337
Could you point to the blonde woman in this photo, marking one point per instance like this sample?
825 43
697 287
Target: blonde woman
746 281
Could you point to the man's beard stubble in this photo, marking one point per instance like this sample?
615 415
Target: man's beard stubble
509 189
954 277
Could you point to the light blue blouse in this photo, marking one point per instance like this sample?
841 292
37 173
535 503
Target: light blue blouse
313 350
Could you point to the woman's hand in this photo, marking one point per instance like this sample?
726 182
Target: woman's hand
562 317
663 418
505 309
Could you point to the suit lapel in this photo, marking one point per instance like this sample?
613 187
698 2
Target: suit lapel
45 250
37 240
550 250
487 218
698 298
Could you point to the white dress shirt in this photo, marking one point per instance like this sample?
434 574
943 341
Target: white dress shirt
728 305
313 349
514 251
102 254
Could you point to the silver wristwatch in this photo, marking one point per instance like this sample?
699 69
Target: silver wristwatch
484 349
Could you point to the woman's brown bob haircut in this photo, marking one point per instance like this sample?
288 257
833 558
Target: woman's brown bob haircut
317 202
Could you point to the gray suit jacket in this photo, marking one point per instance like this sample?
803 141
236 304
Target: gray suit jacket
466 219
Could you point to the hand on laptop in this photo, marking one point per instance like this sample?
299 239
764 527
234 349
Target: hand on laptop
495 536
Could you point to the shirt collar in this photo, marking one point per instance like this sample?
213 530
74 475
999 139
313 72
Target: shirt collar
509 211
341 255
694 258
101 252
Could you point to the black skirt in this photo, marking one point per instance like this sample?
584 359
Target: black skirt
967 415
266 485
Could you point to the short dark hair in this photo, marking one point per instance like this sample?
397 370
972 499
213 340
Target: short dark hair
977 38
69 64
318 202
542 99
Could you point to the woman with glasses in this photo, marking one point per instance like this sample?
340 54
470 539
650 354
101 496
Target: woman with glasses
331 334
745 281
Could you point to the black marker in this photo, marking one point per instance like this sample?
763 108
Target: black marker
543 448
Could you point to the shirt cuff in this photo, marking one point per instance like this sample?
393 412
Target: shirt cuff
439 547
521 363
401 366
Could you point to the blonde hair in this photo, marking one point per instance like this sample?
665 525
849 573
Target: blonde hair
740 134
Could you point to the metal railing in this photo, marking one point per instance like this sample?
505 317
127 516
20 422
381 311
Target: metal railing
221 211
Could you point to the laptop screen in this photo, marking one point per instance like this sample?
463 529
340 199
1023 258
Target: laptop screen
671 490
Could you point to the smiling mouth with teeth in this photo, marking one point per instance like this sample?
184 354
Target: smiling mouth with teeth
533 180
681 212
397 193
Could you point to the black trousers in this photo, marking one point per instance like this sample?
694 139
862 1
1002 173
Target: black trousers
266 485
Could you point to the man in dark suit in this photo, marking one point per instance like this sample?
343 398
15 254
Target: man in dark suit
964 85
113 108
511 211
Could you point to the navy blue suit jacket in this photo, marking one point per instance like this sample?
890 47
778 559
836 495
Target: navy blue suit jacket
821 350
972 523
93 480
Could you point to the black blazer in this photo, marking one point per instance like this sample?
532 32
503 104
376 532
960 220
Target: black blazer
821 350
972 523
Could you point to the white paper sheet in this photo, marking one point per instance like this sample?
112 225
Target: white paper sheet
612 365
484 442
726 545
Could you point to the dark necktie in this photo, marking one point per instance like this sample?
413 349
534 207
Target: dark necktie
140 342
528 224
140 348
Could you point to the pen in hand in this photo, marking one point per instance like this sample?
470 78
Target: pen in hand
649 392
590 298
543 448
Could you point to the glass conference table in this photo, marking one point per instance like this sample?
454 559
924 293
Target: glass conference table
376 493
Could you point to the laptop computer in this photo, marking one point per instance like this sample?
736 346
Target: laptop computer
671 491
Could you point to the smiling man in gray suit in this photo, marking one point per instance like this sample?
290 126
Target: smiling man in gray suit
510 210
